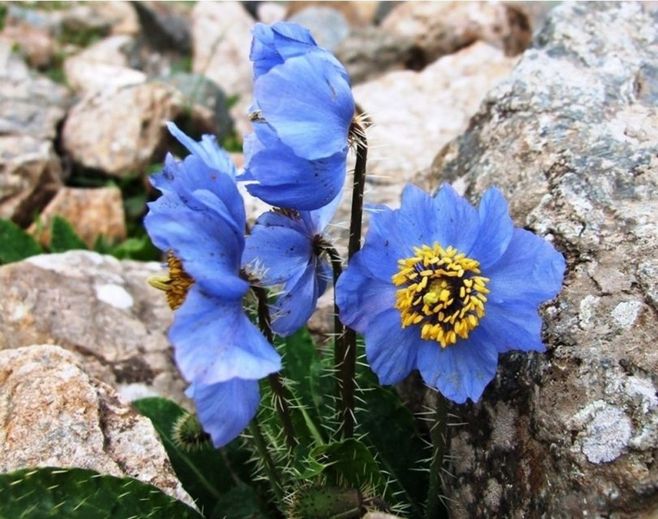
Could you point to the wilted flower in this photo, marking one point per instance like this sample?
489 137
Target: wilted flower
286 248
199 222
302 112
442 287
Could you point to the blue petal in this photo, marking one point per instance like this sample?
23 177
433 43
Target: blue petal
459 371
294 307
207 150
207 245
496 229
455 221
309 105
184 178
214 341
391 350
283 252
324 274
318 220
530 271
361 297
271 45
286 180
226 408
514 326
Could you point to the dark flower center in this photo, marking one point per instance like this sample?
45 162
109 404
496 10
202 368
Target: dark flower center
442 292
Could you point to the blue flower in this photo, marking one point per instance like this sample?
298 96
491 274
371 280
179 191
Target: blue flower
303 105
443 287
199 221
286 249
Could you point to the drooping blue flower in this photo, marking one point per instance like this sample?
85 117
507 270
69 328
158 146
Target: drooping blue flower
303 105
443 287
286 249
199 222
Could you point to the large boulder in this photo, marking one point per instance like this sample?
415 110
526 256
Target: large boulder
53 414
98 307
572 139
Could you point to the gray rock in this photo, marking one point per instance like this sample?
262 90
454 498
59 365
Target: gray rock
53 414
328 26
98 307
30 104
572 139
370 52
164 26
202 93
120 131
30 175
221 39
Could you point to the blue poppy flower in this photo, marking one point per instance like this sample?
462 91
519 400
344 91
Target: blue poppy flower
199 221
296 157
285 249
443 287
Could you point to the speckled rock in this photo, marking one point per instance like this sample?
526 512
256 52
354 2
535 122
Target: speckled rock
440 28
572 139
103 66
92 212
328 26
221 39
53 414
30 104
99 307
121 131
30 175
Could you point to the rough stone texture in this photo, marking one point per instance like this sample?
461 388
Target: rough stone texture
358 14
328 26
53 414
221 39
103 66
572 139
91 211
99 307
35 44
30 104
439 28
120 131
370 52
416 113
30 175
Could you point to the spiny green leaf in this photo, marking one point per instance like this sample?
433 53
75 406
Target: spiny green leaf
206 473
15 243
63 237
83 494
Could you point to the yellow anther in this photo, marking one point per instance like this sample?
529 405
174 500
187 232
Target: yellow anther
441 291
175 284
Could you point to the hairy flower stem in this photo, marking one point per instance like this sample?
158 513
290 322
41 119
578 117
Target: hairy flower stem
280 393
345 354
439 435
337 269
268 463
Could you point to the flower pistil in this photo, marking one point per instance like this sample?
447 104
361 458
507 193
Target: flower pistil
442 291
175 283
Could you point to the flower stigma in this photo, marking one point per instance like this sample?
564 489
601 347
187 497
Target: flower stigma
175 283
442 291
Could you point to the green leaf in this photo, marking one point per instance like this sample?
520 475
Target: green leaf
63 237
349 463
139 248
241 502
83 494
207 474
15 243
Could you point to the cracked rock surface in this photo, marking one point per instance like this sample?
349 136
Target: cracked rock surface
571 137
98 307
53 414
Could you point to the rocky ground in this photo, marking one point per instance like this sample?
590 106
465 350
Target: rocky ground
556 104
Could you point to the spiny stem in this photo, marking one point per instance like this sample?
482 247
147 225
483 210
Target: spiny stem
337 269
345 356
279 390
439 445
268 462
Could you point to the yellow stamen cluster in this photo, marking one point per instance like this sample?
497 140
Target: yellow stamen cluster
175 284
442 291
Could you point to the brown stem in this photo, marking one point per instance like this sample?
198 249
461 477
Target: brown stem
274 379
